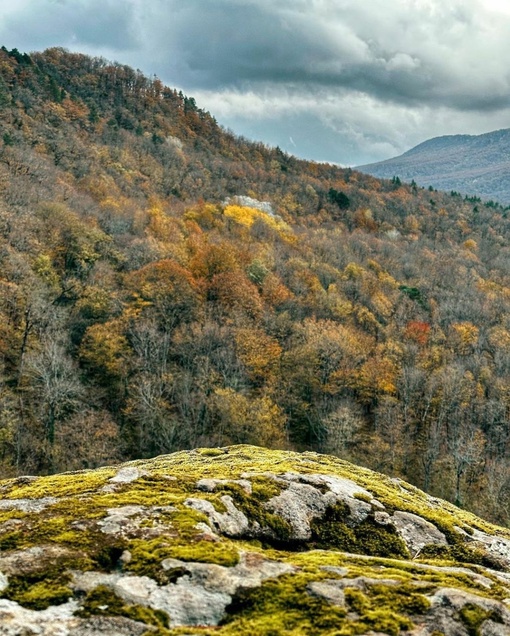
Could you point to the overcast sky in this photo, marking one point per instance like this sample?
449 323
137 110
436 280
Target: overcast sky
345 81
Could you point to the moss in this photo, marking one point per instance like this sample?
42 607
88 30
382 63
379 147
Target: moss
64 485
211 452
368 537
11 540
472 616
357 601
39 590
155 490
103 601
147 556
461 552
361 496
401 598
386 608
282 606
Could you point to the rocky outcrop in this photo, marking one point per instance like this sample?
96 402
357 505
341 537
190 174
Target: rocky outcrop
243 540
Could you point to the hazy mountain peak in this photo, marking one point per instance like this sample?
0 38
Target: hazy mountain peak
470 164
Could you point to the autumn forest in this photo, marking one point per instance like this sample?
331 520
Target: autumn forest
166 284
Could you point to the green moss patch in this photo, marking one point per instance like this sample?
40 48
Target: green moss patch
42 588
282 606
368 537
147 556
472 616
64 485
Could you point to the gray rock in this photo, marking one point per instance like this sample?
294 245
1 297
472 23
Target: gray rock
54 621
329 591
4 582
232 523
456 598
299 505
23 562
200 595
110 626
490 628
382 518
210 485
499 547
27 505
333 569
127 475
362 583
127 521
416 531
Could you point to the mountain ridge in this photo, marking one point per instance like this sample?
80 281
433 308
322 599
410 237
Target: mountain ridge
165 284
474 165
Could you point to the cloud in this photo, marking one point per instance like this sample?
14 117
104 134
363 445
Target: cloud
412 51
35 25
366 79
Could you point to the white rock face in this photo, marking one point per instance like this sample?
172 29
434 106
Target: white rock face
248 202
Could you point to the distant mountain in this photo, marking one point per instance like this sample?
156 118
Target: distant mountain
471 164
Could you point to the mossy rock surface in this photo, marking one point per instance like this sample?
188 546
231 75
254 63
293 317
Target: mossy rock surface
243 540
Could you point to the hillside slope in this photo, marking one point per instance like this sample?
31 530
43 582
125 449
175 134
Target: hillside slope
166 285
474 165
242 540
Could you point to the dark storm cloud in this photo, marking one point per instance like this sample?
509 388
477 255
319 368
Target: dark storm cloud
368 77
408 52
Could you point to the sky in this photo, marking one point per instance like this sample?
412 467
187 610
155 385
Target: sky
344 81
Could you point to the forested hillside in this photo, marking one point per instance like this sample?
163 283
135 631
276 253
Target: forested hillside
166 284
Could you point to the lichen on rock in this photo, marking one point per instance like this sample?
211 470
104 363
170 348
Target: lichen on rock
242 541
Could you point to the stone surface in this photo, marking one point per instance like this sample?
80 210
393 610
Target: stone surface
210 485
329 591
233 522
136 521
417 532
198 597
163 535
27 505
299 504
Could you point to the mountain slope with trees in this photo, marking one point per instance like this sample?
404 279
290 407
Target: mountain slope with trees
474 165
166 285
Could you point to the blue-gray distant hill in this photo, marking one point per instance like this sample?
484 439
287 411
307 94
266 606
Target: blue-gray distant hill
470 164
